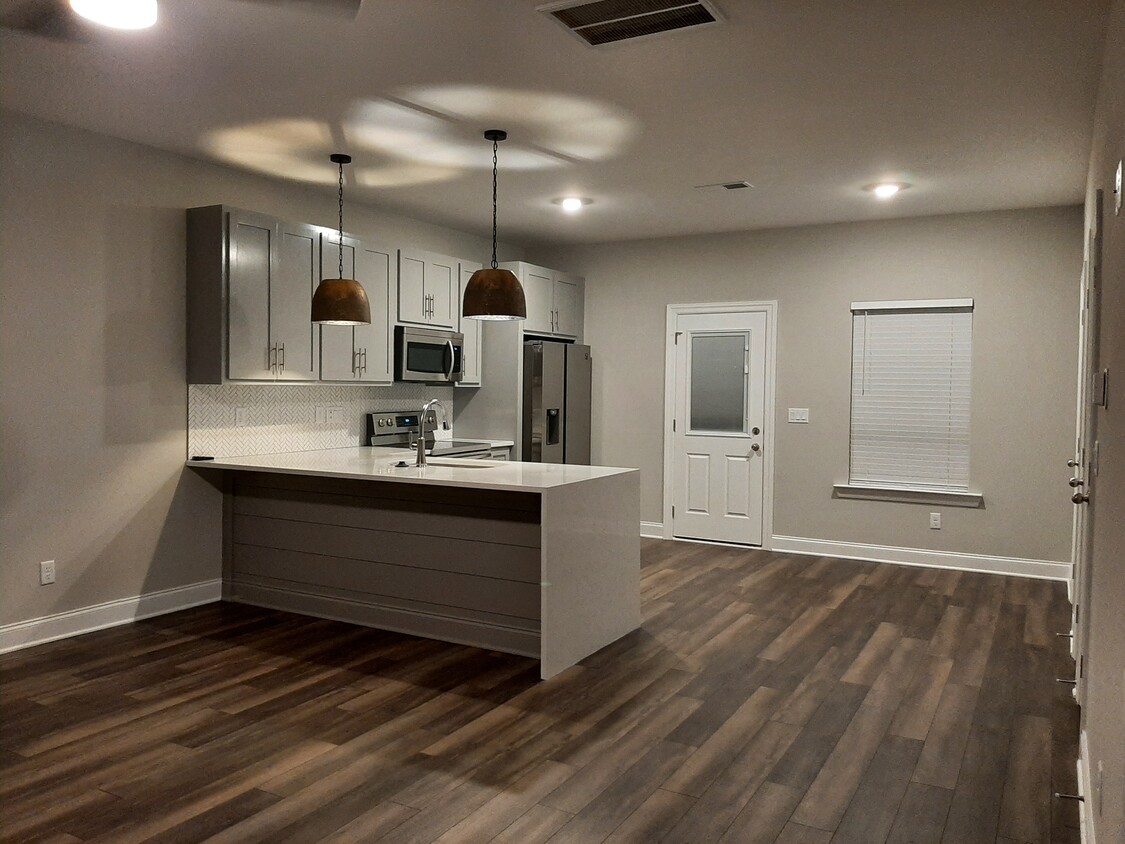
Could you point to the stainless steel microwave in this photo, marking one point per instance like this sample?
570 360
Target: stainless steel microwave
428 355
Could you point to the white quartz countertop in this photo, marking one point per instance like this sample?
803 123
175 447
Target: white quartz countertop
378 464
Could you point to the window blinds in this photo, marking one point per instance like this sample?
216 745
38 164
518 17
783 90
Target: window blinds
911 371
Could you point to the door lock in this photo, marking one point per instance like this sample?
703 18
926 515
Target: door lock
1076 482
755 431
1072 463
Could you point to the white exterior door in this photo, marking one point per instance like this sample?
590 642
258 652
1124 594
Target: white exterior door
718 430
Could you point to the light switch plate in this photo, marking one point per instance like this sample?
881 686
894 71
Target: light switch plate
935 521
335 416
799 415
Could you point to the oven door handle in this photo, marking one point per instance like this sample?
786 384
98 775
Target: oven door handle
452 360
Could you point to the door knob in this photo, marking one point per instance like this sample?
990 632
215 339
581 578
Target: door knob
1072 463
1079 498
755 447
1076 482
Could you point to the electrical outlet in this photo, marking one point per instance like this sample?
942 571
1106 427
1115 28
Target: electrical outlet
46 572
241 417
335 416
935 521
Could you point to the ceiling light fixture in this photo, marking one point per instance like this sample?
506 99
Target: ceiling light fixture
885 190
494 293
341 301
572 204
119 14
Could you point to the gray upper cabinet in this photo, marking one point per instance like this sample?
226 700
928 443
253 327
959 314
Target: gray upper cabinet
471 330
427 289
250 285
360 354
253 257
295 337
554 300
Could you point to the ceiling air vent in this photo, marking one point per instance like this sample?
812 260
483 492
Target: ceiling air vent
610 21
737 185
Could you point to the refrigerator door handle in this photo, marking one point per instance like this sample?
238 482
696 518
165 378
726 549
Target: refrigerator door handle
553 419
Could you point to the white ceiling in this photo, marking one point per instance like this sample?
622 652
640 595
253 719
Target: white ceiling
980 104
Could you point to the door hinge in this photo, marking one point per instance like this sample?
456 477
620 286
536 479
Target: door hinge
676 338
673 426
1081 666
673 511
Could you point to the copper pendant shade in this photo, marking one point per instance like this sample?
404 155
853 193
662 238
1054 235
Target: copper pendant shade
341 301
494 293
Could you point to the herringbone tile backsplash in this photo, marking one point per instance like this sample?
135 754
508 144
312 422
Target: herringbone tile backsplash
283 417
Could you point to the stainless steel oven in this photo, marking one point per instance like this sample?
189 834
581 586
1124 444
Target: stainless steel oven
428 355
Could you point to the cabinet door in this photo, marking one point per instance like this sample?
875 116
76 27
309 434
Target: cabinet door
291 325
337 346
413 303
374 342
538 286
251 256
470 328
441 287
568 306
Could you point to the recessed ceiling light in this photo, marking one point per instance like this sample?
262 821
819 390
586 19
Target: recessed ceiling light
572 204
885 190
120 14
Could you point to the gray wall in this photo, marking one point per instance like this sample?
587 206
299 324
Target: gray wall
92 359
1103 716
1021 267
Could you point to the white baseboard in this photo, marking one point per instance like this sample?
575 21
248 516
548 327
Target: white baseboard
1044 569
653 530
37 631
1086 807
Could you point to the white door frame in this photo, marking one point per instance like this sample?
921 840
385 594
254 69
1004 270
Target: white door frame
769 308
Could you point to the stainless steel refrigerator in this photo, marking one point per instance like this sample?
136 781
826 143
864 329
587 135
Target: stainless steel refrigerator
556 403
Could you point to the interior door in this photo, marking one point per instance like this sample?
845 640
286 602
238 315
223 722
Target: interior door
1084 463
718 472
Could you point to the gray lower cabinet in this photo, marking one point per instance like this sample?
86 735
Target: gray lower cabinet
364 353
250 284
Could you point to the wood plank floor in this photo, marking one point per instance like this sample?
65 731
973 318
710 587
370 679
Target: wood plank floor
767 699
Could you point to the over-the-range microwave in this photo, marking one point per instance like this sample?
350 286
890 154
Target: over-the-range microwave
428 355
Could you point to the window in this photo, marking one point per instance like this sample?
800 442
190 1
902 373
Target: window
911 371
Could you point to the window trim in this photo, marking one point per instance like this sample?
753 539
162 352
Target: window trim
908 495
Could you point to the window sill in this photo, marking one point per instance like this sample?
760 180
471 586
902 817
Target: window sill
910 495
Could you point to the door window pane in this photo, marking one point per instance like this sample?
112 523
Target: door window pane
718 382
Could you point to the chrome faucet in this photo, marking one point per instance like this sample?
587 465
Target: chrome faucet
421 461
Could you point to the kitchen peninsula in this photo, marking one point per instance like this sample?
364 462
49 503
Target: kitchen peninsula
528 558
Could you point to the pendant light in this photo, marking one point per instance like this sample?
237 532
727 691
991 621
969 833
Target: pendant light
494 293
341 301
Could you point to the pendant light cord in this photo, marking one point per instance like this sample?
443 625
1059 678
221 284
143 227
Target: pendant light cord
495 146
341 250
